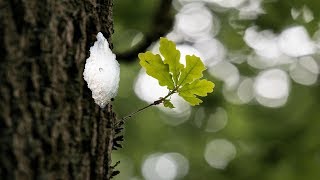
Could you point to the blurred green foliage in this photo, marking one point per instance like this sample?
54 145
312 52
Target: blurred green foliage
272 143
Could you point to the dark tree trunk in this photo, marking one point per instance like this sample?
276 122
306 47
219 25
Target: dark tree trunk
50 127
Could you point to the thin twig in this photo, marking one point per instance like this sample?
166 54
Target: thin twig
152 104
139 110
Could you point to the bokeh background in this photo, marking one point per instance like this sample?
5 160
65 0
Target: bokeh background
263 119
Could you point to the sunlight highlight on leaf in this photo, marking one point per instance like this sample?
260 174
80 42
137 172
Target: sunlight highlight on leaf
186 81
193 70
171 57
156 68
196 88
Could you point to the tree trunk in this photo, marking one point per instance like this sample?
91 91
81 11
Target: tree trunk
50 127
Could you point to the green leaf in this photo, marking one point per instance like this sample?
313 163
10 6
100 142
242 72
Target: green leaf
171 57
190 91
193 70
167 103
193 100
169 72
156 68
198 87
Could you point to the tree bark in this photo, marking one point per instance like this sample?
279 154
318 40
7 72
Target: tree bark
50 127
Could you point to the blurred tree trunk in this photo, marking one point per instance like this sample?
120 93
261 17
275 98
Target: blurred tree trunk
50 127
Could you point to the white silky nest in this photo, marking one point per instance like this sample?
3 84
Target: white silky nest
102 72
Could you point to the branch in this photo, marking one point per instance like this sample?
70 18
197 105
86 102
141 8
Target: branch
162 23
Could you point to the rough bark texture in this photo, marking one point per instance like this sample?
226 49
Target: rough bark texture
50 127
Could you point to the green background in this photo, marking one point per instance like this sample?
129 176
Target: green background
271 143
